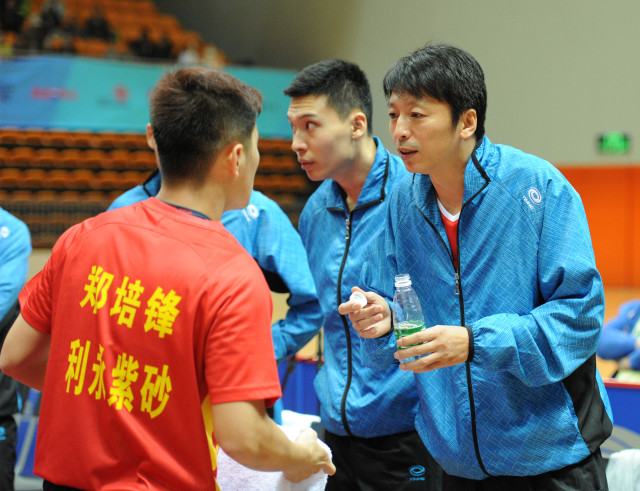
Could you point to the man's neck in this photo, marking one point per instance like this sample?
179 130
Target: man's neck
449 184
352 181
201 200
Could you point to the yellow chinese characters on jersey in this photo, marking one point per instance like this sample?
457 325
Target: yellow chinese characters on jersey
127 301
123 375
77 365
125 387
99 283
161 308
161 312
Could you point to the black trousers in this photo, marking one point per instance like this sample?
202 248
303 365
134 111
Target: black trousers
394 462
8 441
589 474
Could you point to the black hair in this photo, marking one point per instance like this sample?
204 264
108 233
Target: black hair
445 73
195 113
344 83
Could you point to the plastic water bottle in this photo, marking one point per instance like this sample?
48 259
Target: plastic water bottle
407 312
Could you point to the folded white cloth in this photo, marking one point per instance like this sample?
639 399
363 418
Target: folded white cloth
233 476
623 470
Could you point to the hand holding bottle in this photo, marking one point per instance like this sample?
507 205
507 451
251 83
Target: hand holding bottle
436 347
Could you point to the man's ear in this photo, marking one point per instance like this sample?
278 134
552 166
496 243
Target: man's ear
359 124
234 157
151 141
468 124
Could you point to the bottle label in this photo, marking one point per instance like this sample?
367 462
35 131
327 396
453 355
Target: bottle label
405 329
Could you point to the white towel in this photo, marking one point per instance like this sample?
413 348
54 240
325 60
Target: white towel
623 470
233 476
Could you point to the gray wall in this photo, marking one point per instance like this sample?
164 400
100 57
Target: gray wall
558 72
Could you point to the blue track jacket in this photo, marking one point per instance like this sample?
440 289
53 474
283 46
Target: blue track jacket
15 248
266 232
354 400
529 399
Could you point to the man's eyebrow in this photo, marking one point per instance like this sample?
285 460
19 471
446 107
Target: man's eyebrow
305 115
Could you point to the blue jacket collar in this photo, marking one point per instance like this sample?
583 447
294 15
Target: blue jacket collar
373 190
475 178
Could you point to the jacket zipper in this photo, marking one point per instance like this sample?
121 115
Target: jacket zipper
472 405
458 293
343 403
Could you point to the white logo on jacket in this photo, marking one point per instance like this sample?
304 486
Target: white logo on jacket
251 212
534 197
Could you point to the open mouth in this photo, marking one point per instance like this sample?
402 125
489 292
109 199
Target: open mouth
406 152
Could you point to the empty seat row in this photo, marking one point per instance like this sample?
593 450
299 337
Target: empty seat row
75 179
78 139
74 158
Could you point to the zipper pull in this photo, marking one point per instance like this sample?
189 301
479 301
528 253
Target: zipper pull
457 283
346 236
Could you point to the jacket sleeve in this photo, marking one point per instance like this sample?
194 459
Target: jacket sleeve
15 247
282 257
562 330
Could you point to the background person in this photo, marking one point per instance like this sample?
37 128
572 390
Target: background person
620 341
15 248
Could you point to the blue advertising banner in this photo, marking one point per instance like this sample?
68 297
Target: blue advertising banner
73 93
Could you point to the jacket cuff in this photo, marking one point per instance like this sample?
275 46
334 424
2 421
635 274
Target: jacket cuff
471 345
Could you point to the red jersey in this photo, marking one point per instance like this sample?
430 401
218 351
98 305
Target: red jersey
149 310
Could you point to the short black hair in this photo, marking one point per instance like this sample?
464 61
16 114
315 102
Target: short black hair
344 83
445 73
195 113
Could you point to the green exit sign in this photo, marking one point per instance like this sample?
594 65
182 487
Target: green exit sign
614 143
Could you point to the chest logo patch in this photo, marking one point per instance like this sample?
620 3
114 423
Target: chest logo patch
533 198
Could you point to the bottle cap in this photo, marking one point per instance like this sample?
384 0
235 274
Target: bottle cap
403 280
359 298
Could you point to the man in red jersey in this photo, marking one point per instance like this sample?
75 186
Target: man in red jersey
143 312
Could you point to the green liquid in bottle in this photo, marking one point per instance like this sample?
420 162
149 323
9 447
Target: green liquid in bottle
405 329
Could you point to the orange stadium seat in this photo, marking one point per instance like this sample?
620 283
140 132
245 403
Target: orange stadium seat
83 179
4 156
107 180
34 178
143 160
21 156
59 179
10 136
45 157
120 158
94 158
10 178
